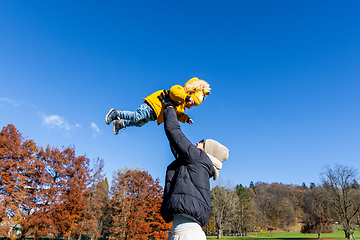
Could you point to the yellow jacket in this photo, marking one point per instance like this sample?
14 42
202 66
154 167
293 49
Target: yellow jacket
178 95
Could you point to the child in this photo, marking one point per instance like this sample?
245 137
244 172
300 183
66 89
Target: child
192 94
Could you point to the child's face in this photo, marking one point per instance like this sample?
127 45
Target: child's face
189 105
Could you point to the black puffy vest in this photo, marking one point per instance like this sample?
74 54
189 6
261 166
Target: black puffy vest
187 186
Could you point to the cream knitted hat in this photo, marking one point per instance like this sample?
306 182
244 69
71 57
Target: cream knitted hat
218 153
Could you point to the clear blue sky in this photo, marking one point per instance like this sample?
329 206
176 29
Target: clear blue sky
285 79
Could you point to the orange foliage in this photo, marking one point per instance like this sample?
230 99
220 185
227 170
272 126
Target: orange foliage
96 196
136 206
42 190
74 176
16 155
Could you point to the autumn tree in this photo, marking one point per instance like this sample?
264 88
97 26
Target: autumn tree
55 188
245 215
20 176
135 203
281 211
27 192
355 185
106 218
38 202
252 186
298 201
223 207
317 218
262 200
210 226
338 183
41 189
97 198
16 155
74 177
278 204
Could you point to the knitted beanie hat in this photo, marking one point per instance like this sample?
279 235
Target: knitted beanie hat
198 97
197 89
217 153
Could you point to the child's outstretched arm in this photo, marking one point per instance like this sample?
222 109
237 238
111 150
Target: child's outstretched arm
177 94
184 118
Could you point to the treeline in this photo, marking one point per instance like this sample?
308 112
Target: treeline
51 192
265 207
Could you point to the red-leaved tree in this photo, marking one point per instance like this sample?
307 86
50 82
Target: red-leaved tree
97 199
41 190
135 203
74 172
16 155
54 201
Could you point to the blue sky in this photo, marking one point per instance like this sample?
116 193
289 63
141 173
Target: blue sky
285 80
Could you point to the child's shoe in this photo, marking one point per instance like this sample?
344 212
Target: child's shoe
118 124
111 116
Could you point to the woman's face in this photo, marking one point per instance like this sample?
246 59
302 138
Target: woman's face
200 144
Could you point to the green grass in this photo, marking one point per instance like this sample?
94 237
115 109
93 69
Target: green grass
290 235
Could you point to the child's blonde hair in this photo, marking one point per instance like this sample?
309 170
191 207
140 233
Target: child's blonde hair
195 84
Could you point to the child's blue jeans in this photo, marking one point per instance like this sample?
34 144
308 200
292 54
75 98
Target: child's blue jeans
143 115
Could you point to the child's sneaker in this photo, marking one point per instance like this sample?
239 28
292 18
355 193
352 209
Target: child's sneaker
118 124
111 116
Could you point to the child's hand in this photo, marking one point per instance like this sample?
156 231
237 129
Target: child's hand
190 121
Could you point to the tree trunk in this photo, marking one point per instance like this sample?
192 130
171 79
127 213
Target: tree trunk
22 237
318 235
79 237
347 231
347 234
220 233
100 228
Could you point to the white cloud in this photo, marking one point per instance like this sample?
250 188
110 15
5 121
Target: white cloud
55 121
15 103
59 123
10 101
93 126
31 105
95 129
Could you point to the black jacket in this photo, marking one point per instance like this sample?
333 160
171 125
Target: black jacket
187 186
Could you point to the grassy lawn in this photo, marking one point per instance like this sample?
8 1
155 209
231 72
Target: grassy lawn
290 235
